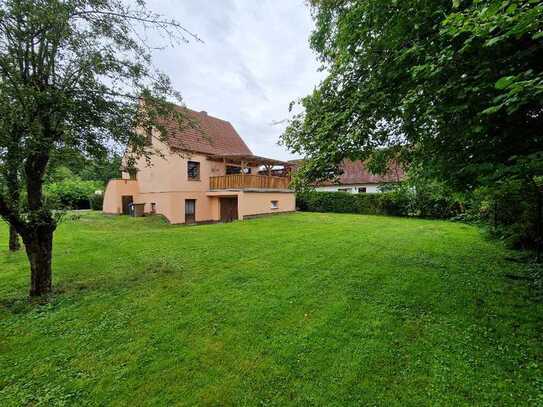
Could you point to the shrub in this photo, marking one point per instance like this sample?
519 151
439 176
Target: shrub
510 209
71 193
96 202
397 202
342 202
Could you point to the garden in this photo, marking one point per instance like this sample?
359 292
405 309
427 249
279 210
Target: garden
301 309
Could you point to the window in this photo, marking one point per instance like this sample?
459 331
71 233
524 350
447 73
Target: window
344 189
231 170
193 171
133 173
153 207
274 204
362 190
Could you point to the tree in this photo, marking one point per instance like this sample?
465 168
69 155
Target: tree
455 87
74 74
100 167
9 173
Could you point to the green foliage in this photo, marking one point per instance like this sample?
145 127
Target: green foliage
511 202
429 198
72 193
75 76
59 174
100 167
451 86
97 201
342 202
454 88
510 209
403 200
297 310
501 25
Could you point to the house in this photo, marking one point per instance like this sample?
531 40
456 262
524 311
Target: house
355 178
203 173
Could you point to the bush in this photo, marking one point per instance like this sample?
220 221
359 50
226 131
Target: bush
342 202
510 209
96 202
71 193
397 202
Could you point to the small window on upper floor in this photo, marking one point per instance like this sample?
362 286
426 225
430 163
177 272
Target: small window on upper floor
133 174
193 171
274 204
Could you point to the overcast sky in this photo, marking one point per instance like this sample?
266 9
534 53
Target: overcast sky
255 59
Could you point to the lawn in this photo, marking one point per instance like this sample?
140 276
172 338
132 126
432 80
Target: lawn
301 309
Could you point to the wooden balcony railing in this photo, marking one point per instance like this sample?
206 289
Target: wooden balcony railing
240 181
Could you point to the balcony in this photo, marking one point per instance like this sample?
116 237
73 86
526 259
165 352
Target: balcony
248 182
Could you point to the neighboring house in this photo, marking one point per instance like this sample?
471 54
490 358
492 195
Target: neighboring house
207 174
357 179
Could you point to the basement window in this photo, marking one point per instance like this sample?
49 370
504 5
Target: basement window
193 170
274 204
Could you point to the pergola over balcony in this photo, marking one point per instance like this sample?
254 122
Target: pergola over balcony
249 181
248 160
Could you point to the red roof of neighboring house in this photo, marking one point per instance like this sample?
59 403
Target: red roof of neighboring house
206 134
354 172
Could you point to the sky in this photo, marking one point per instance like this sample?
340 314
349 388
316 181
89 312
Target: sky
254 60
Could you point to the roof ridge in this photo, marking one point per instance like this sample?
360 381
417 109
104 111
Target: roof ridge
201 113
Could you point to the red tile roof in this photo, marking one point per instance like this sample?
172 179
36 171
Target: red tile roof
355 172
206 134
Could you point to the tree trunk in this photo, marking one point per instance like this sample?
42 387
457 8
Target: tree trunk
12 176
14 244
539 225
39 250
38 232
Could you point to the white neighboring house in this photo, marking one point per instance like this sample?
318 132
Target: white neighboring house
353 189
356 179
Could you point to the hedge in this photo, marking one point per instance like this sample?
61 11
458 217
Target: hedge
397 203
96 202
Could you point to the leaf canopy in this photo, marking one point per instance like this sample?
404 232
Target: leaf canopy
454 87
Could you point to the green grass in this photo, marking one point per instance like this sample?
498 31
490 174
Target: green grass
302 309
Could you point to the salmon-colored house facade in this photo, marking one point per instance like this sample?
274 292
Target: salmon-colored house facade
205 173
